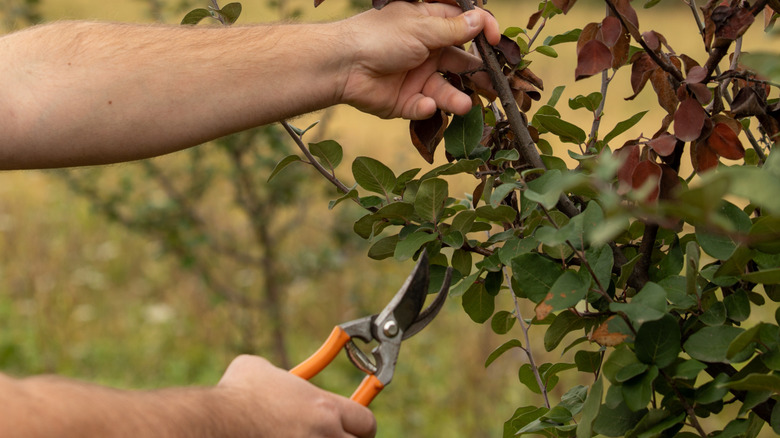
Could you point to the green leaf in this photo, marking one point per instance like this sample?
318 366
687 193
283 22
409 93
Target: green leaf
568 290
462 286
461 261
352 194
430 199
587 361
462 221
691 267
505 155
535 275
286 161
567 132
501 214
501 192
557 92
478 303
756 382
738 305
195 16
765 234
373 176
687 370
623 126
766 276
547 51
711 344
513 247
722 246
637 392
513 31
616 421
590 409
617 360
590 102
231 12
502 322
658 342
506 346
563 324
765 63
566 37
574 399
546 190
464 133
648 305
329 153
383 248
407 247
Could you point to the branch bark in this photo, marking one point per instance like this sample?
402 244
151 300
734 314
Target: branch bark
523 141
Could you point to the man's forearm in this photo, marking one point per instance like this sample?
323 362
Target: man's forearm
133 91
52 406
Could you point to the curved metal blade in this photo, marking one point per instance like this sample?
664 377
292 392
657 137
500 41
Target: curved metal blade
409 300
430 312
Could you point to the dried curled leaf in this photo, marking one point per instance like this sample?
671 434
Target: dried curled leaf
689 120
427 134
594 58
724 142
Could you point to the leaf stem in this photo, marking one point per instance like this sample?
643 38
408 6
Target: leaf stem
313 161
528 352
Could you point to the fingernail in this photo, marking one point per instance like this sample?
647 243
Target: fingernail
471 18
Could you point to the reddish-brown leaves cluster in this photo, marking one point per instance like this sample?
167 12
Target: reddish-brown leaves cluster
427 134
725 21
601 46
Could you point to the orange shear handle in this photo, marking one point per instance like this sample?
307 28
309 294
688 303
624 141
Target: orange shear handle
368 389
322 357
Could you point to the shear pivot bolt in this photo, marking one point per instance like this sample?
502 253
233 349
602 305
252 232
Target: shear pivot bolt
390 329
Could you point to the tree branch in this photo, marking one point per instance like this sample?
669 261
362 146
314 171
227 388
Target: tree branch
523 141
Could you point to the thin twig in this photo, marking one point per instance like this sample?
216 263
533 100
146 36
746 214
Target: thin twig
528 352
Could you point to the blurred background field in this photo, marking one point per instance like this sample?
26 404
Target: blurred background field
123 304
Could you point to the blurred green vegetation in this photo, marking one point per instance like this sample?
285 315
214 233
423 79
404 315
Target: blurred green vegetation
90 298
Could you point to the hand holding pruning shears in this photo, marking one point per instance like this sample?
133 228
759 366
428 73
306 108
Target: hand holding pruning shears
401 319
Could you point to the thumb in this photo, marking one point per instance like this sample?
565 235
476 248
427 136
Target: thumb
462 28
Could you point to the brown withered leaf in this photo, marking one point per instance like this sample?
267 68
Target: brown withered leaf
621 50
604 337
476 195
629 155
642 67
748 102
734 26
664 144
689 120
589 33
669 182
728 121
611 30
688 62
769 15
651 39
725 142
629 16
510 50
529 76
647 172
564 5
594 58
695 74
427 134
534 18
700 92
517 83
667 97
702 157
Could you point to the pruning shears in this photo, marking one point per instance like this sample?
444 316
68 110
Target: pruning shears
401 319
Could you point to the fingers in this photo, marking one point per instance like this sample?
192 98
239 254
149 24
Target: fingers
356 419
458 27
